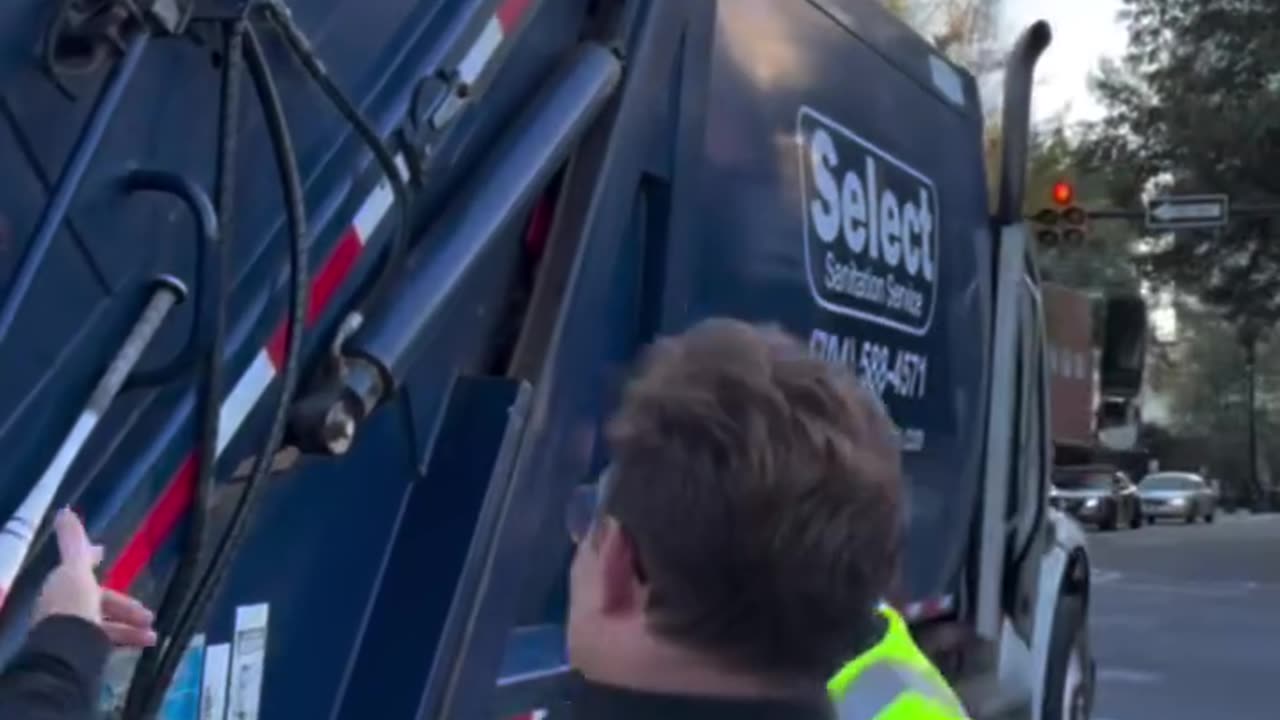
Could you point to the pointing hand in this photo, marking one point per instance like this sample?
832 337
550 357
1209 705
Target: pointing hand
72 589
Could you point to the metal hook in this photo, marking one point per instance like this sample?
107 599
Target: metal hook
208 268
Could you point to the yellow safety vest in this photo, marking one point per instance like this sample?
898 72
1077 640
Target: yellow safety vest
893 680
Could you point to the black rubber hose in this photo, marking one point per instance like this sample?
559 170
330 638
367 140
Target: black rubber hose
49 48
301 47
181 587
208 276
299 248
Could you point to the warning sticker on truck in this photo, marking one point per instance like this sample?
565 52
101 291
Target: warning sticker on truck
182 701
213 686
248 658
870 228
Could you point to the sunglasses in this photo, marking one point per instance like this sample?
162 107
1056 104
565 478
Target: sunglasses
584 507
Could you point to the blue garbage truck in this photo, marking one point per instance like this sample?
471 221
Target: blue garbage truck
314 309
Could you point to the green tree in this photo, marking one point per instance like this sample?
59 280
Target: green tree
1201 377
966 31
1193 107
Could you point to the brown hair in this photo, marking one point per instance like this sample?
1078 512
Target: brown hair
761 488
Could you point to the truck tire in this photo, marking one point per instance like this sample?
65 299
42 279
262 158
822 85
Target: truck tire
1111 521
1070 683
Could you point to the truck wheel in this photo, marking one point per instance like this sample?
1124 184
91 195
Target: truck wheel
1069 685
1190 518
1111 520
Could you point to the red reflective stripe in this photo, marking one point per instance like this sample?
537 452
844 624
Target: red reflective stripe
177 496
925 609
276 345
155 529
510 12
323 286
334 273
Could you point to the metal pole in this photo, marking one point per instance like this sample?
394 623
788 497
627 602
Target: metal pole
1251 370
20 530
1252 211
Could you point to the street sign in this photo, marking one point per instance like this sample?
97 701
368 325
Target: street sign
1183 212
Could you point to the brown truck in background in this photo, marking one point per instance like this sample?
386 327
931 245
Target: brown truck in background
1069 326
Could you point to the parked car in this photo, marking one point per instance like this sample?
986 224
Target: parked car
1179 495
1098 495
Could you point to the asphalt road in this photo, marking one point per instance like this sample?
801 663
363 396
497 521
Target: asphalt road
1186 620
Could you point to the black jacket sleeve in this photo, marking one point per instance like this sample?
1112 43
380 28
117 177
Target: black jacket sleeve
57 675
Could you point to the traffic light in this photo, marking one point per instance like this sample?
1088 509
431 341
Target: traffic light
1064 224
1063 193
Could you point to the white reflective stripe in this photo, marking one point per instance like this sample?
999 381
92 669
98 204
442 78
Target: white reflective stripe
878 686
244 395
480 52
374 208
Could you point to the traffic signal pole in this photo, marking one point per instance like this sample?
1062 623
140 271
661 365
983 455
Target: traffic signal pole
1063 221
1236 211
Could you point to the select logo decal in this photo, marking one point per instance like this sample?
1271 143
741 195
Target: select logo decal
870 228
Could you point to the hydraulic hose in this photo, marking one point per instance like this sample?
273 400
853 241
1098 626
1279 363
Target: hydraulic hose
147 698
186 600
282 19
182 585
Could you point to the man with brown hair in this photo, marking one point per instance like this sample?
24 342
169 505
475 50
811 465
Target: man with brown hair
734 553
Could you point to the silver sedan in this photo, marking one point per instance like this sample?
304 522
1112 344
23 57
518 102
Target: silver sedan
1177 495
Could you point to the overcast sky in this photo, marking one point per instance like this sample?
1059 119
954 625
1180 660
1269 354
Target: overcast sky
1084 31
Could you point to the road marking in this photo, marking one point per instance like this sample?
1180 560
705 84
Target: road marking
1130 675
1250 517
1203 590
1102 577
1210 589
1127 621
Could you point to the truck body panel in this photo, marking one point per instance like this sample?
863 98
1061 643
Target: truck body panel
859 232
601 173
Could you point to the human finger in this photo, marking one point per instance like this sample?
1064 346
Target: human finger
73 543
118 607
129 635
70 590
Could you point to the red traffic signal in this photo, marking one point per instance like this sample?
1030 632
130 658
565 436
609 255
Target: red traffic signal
1063 193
